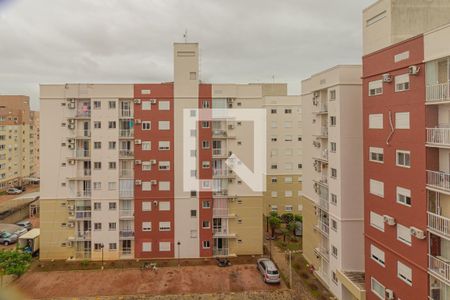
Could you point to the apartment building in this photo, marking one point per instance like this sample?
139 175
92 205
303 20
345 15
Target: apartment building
405 89
19 146
284 155
116 162
333 239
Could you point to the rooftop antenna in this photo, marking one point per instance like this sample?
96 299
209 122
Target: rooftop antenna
185 35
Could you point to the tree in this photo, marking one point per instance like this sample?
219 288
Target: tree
298 218
287 218
275 223
291 227
285 232
14 262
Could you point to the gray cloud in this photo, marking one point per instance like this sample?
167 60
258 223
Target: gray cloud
51 41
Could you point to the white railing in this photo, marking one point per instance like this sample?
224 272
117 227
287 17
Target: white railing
126 193
323 201
324 131
323 228
126 172
218 152
126 153
322 252
220 252
126 213
440 136
126 133
323 108
80 153
82 193
439 224
439 180
440 267
222 172
438 92
127 233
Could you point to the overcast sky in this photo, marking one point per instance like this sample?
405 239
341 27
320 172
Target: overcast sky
59 41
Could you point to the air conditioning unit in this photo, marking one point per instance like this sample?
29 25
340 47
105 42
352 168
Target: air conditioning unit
71 146
138 182
71 105
387 77
137 162
137 101
71 121
413 70
72 213
420 234
70 207
71 161
71 225
155 203
137 142
230 126
153 161
153 181
71 126
69 244
71 141
152 101
230 100
71 100
389 294
389 220
138 121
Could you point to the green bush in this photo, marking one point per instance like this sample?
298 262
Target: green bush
14 262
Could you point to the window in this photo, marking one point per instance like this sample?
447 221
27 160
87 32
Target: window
376 121
376 154
205 164
146 247
112 205
205 144
206 225
287 194
273 138
334 199
288 179
147 206
288 208
192 75
377 255
112 186
164 205
164 145
146 226
97 165
299 138
98 246
97 124
97 226
274 207
146 105
164 125
288 138
164 165
274 166
112 104
376 187
403 158
333 95
402 120
334 251
377 288
288 111
206 245
112 124
334 277
334 225
333 173
377 221
274 194
164 226
403 234
164 246
97 145
164 185
333 121
97 206
288 166
146 186
112 165
274 124
146 166
333 147
193 213
146 146
273 111
206 204
287 124
164 105
146 125
401 82
194 234
112 246
97 105
112 226
205 124
112 145
404 273
97 185
375 87
403 196
274 180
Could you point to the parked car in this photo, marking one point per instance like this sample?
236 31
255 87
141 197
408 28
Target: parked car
25 224
268 270
13 191
7 238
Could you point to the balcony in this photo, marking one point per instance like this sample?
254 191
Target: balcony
126 214
438 137
126 114
126 154
221 134
323 156
126 193
81 194
83 113
323 201
219 153
323 109
220 252
439 224
83 235
438 181
322 228
82 154
323 132
126 133
126 173
440 267
322 252
438 93
222 233
126 234
223 173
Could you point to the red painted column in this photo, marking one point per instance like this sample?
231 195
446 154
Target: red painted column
157 93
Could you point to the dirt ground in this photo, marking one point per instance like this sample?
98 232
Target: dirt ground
30 189
164 281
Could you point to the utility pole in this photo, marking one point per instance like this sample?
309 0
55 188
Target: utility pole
290 269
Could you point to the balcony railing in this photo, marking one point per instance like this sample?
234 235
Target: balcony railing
126 172
126 234
323 252
126 193
126 113
218 152
222 192
323 108
220 212
128 153
82 153
323 228
83 235
126 133
81 194
126 213
438 136
438 92
83 215
323 200
439 180
82 113
440 266
439 224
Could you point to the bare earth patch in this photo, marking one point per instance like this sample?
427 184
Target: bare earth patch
164 281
